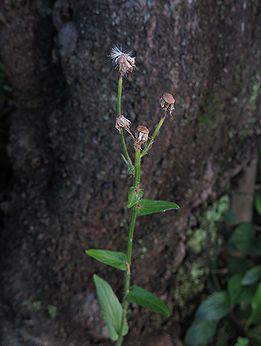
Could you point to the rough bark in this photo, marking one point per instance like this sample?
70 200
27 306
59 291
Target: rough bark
69 184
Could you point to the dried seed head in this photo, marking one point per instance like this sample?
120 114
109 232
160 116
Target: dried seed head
167 102
141 136
122 123
125 61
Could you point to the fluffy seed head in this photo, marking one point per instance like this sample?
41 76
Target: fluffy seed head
125 61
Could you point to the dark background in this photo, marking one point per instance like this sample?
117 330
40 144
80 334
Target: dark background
63 183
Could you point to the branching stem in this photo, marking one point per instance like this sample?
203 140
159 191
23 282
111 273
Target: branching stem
154 135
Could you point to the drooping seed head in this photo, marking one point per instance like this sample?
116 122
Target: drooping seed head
125 61
167 102
122 123
141 136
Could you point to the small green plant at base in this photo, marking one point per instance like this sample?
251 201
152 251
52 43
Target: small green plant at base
240 300
113 312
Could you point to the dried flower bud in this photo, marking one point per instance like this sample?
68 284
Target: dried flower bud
122 123
125 61
167 102
141 136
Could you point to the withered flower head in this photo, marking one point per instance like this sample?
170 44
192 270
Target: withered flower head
125 61
141 136
122 123
167 102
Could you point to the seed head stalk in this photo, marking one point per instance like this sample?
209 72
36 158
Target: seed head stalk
123 142
153 136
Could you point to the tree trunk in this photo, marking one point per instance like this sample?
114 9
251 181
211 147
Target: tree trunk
69 186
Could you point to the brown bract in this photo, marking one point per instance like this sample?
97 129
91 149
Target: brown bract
167 102
122 123
141 136
126 64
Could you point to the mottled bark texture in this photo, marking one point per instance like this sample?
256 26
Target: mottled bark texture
69 184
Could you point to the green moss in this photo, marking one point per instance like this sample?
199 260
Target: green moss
203 244
255 92
211 112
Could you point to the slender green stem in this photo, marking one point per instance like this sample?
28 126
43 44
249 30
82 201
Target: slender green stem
152 138
124 147
123 142
129 249
119 96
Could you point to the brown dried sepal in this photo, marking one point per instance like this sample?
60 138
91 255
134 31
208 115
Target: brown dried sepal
167 103
122 123
141 136
126 64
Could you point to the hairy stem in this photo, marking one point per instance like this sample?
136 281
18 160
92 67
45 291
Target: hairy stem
152 138
127 277
123 142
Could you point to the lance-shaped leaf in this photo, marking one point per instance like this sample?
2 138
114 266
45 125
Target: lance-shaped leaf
252 275
256 306
214 307
111 309
149 206
134 196
200 333
111 258
148 300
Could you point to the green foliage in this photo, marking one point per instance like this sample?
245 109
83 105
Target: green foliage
214 307
111 258
242 295
148 300
148 206
251 276
258 204
256 306
110 308
242 341
200 333
235 289
243 238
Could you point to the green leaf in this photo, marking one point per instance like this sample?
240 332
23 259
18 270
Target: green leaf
256 251
214 307
149 206
242 341
111 309
246 296
200 333
243 238
111 258
235 289
134 196
258 204
252 275
256 307
238 265
149 300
